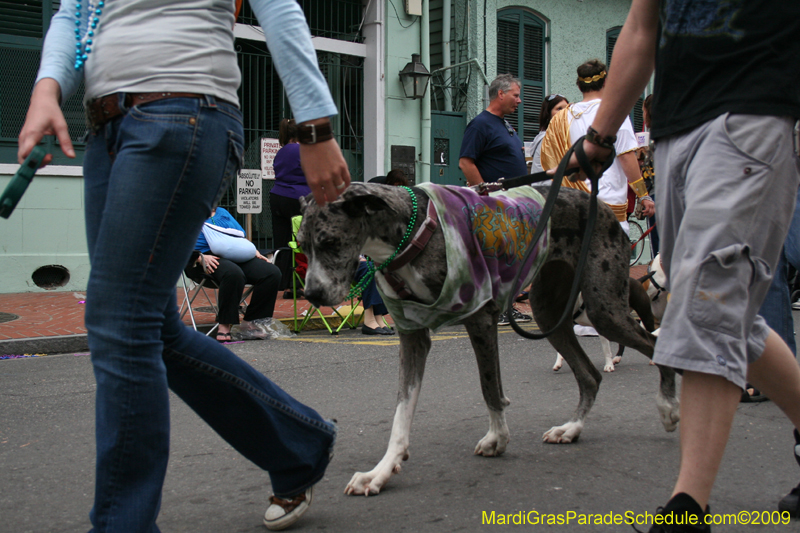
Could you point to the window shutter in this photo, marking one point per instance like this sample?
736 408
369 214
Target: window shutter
520 52
508 47
21 18
611 41
636 113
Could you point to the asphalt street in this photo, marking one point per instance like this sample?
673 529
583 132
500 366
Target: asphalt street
623 462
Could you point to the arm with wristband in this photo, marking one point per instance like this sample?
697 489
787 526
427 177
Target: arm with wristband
289 41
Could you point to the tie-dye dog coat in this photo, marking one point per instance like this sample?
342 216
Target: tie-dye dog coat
486 238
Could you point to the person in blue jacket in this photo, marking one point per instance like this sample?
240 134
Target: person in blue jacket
231 277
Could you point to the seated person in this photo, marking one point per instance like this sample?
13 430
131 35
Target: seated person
395 177
374 309
231 277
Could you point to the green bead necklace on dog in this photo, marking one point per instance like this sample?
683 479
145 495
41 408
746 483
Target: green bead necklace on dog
364 281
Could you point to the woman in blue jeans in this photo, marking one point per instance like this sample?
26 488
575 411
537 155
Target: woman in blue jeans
166 138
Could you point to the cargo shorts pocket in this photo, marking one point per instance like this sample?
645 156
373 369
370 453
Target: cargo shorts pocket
721 291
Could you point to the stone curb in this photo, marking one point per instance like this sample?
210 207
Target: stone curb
78 343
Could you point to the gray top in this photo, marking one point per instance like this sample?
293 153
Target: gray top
183 46
192 50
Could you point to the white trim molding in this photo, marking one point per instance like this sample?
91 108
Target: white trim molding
71 171
323 44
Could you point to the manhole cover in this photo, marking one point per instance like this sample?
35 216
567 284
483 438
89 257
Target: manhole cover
7 317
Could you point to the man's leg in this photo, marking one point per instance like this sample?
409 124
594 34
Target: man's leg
708 403
777 374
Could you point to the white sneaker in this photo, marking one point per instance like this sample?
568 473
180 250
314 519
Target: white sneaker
796 305
283 513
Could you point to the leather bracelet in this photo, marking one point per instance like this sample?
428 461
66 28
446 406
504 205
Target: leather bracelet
314 133
603 142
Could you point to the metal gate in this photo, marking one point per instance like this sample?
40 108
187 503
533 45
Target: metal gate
264 105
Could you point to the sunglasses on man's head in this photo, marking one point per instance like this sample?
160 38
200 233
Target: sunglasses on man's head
555 96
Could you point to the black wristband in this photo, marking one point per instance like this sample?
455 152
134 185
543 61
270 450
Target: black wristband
314 133
604 142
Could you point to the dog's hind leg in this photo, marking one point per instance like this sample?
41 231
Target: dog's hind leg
482 330
608 309
669 406
549 294
414 348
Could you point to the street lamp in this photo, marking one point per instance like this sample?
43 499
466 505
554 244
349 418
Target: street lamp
415 78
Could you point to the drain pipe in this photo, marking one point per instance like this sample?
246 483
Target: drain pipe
425 133
448 95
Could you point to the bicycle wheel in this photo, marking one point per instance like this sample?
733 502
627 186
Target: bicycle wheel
635 232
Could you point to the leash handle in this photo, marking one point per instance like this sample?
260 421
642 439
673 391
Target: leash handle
585 165
645 234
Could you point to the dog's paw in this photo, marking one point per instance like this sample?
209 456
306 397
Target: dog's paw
365 483
609 367
565 434
670 412
559 363
617 360
492 445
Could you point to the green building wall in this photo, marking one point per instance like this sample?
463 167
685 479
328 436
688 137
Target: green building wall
47 228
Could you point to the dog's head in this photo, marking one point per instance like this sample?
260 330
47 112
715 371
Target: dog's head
334 236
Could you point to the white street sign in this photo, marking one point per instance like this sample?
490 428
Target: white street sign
269 147
248 191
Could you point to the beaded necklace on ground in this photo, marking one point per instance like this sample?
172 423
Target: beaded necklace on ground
364 281
83 47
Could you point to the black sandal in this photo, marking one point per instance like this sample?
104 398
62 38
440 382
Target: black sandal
755 397
224 337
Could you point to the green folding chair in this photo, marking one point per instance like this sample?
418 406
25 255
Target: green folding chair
351 318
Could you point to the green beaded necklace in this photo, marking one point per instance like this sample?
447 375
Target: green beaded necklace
364 281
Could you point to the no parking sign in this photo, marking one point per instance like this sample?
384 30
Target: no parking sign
248 192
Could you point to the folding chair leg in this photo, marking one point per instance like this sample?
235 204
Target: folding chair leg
350 319
187 302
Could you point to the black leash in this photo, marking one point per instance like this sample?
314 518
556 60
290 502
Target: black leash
561 172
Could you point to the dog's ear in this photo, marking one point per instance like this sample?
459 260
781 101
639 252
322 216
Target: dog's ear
359 205
303 204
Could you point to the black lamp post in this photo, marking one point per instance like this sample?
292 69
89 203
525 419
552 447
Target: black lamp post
415 78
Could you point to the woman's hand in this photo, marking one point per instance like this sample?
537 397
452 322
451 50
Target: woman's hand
326 170
262 257
209 262
44 118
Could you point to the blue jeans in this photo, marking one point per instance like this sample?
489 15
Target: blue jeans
370 297
777 306
151 178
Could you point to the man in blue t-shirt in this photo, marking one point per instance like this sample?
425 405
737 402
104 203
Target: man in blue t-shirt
491 148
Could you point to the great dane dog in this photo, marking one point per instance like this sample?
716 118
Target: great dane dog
639 301
372 219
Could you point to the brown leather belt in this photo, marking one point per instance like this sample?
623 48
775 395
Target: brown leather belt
101 110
